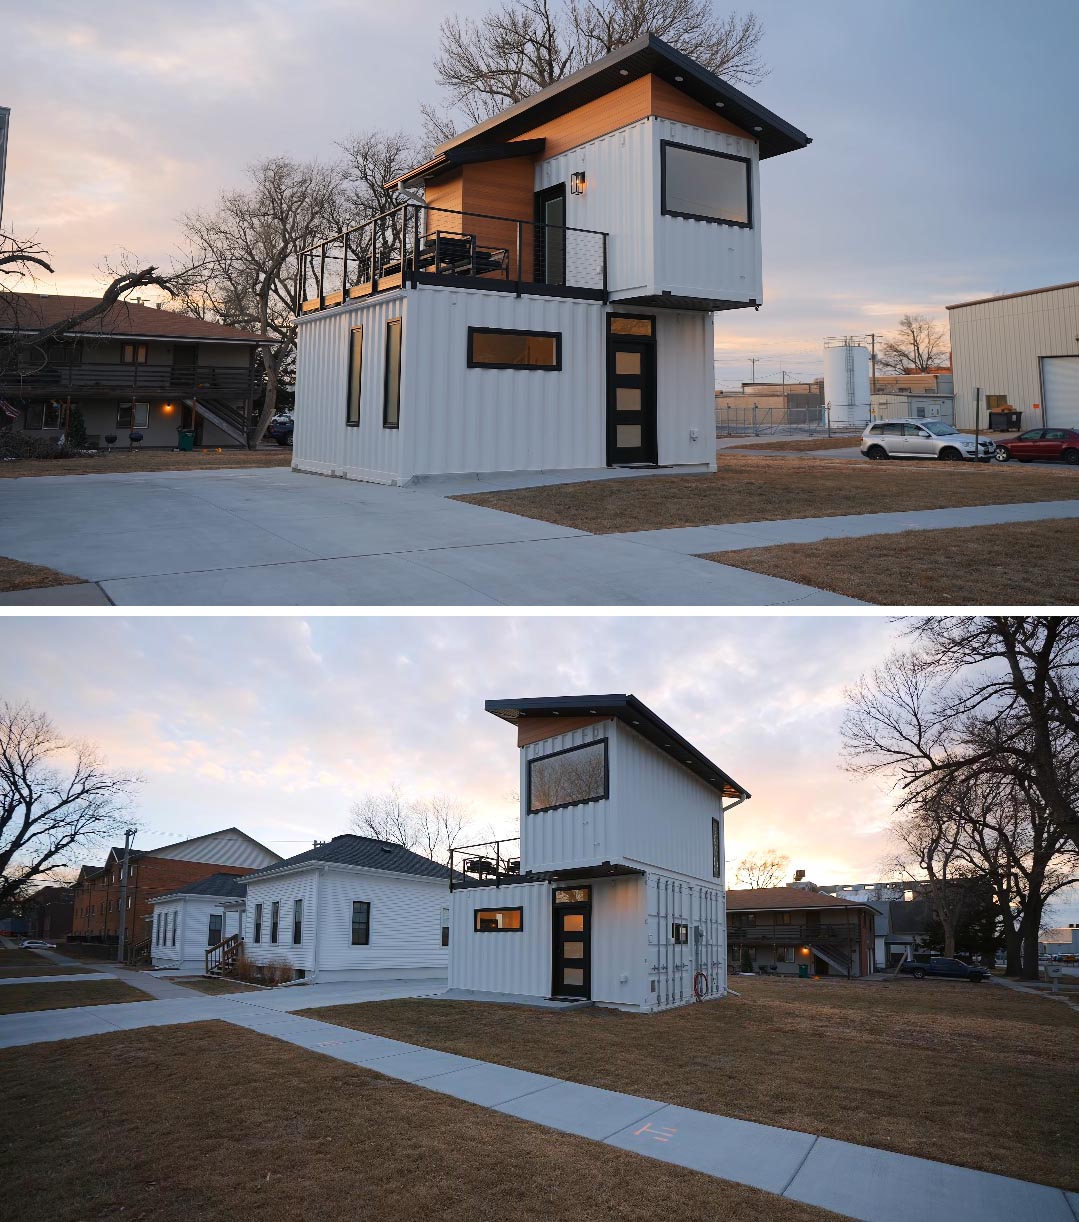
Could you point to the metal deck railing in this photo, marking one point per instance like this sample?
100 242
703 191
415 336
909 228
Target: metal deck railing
488 864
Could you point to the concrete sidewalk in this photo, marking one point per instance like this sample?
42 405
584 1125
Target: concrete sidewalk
857 1181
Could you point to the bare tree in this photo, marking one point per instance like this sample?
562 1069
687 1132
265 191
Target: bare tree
521 46
917 345
56 798
22 256
372 159
244 254
767 868
429 825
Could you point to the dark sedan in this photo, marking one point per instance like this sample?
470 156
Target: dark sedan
951 969
1041 445
280 429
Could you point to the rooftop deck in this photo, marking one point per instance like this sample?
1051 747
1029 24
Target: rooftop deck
417 244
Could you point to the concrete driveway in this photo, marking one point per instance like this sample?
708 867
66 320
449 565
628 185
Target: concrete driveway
273 537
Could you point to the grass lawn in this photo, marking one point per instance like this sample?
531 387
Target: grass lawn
976 1075
209 1121
27 998
126 462
18 575
747 488
795 444
37 968
970 566
214 985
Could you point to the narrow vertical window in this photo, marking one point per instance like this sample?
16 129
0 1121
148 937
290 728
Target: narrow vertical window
297 922
445 927
214 933
174 916
157 928
258 923
361 923
391 395
355 374
275 918
717 850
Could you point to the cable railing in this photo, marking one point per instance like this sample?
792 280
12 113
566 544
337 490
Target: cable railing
485 865
419 243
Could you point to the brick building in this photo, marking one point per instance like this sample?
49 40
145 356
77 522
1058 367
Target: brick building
98 889
49 912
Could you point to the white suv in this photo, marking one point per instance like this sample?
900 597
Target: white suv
922 439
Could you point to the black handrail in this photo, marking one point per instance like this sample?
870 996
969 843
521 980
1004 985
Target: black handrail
486 867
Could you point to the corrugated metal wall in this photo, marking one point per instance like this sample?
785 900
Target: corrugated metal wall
322 442
996 345
575 835
703 258
618 944
502 962
672 966
685 388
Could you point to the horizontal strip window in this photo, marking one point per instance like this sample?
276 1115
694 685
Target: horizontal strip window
494 348
703 185
568 778
636 326
499 920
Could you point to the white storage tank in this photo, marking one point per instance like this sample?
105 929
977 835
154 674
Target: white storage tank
846 380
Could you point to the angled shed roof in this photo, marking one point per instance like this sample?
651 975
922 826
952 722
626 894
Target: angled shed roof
363 851
639 717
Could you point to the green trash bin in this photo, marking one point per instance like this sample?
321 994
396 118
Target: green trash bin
187 439
803 970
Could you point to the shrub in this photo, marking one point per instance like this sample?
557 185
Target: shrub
76 432
747 962
276 972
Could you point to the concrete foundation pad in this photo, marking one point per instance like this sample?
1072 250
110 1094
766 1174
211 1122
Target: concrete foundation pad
585 1110
877 1186
739 1150
487 1084
513 999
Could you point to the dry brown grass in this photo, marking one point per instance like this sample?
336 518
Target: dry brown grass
214 985
768 489
794 445
38 969
917 1067
29 998
213 1122
1017 564
18 575
127 462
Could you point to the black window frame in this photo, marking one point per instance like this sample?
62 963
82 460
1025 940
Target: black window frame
680 933
717 849
474 364
603 797
630 336
175 914
390 324
219 917
257 939
506 908
694 216
354 397
297 922
275 921
365 905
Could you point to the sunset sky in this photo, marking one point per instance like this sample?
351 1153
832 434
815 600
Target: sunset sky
944 164
277 725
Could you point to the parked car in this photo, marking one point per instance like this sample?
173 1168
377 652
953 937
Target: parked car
280 428
1053 445
952 969
922 439
36 944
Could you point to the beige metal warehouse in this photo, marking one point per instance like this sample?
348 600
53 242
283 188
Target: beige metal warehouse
1024 346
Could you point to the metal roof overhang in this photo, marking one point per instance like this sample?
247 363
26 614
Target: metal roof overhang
644 56
605 869
629 710
442 163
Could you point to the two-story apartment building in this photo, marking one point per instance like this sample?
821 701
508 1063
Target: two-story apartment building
798 931
136 369
101 903
616 893
543 296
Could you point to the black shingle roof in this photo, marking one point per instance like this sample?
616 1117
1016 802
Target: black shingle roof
227 885
367 852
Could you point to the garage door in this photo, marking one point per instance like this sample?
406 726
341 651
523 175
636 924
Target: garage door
1060 386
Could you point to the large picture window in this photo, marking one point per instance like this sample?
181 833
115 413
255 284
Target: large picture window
706 186
361 923
391 397
499 920
567 778
495 348
355 374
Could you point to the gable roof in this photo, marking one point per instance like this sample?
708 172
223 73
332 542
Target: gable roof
363 851
126 320
776 899
645 55
226 886
631 712
117 852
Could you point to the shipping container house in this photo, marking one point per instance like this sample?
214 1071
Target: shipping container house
543 296
616 894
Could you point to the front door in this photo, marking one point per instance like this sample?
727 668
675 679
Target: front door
572 949
631 401
550 247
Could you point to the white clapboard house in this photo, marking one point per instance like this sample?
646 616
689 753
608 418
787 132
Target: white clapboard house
189 922
542 297
353 908
617 891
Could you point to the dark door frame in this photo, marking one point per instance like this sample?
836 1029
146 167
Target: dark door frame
648 452
558 936
539 269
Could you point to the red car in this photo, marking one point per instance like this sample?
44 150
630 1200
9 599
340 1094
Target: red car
1052 444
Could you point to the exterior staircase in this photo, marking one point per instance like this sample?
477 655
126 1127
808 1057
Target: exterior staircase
136 953
221 958
838 957
229 418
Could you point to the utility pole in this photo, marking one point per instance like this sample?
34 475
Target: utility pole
129 835
873 359
753 368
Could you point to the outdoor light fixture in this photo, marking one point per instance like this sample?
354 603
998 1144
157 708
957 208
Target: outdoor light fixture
577 182
721 105
166 408
623 72
679 79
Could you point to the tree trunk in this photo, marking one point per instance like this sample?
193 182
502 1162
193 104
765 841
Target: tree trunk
269 405
949 938
1012 950
1030 952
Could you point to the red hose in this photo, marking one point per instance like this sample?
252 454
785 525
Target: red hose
700 985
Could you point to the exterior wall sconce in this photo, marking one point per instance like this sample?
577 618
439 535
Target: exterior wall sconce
577 182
